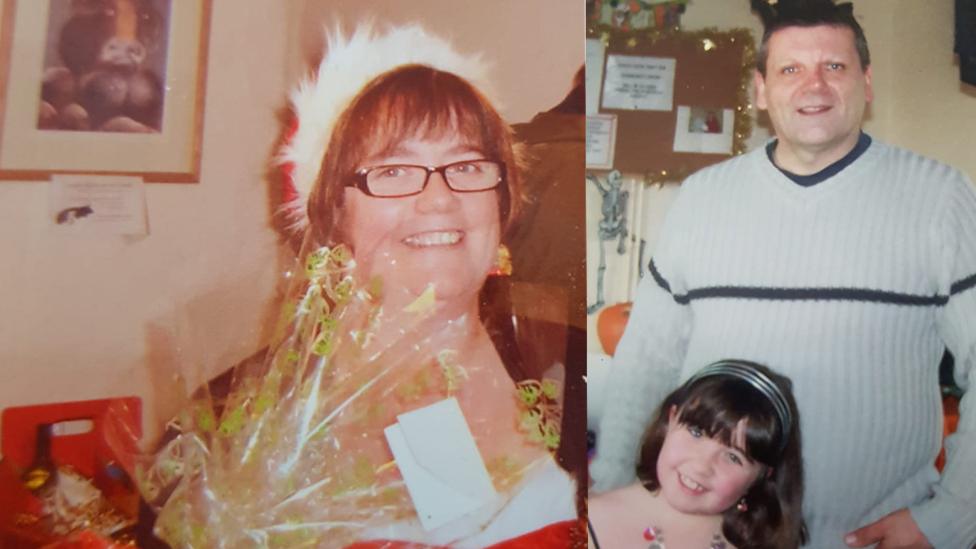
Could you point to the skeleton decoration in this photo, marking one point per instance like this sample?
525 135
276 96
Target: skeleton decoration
613 225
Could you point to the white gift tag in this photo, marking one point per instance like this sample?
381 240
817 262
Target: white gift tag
440 463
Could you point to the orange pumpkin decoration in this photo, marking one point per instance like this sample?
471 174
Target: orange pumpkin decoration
610 325
950 408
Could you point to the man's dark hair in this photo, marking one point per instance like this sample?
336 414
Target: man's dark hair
807 13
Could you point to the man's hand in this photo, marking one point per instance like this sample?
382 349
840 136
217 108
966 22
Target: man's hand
895 531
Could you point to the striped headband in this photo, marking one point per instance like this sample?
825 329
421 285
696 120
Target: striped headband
760 381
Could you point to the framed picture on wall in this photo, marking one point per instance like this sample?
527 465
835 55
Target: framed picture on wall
102 87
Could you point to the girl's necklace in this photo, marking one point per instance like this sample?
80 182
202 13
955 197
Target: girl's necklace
653 535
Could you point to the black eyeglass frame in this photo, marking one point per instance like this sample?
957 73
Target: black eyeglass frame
359 178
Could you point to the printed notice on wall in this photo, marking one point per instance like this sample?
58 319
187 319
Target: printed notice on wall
99 204
601 133
639 83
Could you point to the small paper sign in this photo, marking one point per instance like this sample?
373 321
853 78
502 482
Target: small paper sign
99 204
639 83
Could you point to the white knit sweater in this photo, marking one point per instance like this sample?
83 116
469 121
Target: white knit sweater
851 287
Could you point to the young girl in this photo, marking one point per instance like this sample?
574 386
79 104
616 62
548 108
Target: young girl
720 469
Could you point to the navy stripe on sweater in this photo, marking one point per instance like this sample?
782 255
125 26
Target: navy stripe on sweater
810 294
963 285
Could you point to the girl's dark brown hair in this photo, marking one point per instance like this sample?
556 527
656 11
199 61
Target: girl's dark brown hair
407 102
716 405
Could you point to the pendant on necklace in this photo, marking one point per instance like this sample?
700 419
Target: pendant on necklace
653 535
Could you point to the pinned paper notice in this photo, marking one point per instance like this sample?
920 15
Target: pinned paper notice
601 135
440 463
99 204
639 83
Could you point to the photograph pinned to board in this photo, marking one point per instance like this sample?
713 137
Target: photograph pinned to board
98 204
601 135
635 82
704 130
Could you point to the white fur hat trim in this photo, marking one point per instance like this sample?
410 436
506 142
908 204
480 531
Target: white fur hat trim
347 67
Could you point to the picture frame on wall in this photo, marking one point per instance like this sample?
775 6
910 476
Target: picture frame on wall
103 87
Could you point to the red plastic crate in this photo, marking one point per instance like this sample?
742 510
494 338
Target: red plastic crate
116 419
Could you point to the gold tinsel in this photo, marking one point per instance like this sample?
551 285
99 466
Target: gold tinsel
709 40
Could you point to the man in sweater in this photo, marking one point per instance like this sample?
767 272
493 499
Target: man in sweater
848 265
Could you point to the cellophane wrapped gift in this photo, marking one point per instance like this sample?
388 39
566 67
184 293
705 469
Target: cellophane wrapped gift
294 455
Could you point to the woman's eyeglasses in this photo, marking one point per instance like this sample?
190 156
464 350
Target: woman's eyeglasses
398 180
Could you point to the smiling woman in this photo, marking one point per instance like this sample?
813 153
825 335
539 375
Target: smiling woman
384 415
419 178
442 236
439 237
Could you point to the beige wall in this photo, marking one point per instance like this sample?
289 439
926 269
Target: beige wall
923 105
88 318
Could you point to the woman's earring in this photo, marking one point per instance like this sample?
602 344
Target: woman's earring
742 506
503 262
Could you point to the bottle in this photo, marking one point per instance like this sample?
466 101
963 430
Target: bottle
42 472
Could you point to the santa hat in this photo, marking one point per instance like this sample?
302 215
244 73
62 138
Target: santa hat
349 64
